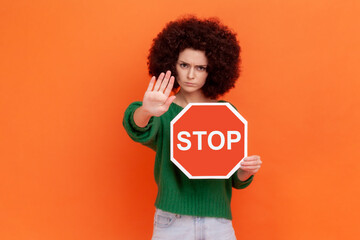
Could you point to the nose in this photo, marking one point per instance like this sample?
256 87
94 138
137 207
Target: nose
191 73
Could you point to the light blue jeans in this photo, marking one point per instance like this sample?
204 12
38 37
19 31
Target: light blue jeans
169 226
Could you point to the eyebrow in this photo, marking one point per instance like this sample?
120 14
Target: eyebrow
200 65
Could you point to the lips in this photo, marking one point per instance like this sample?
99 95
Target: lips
189 84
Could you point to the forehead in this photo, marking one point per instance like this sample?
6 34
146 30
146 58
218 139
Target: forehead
192 56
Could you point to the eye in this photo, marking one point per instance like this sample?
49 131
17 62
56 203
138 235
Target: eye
201 68
183 65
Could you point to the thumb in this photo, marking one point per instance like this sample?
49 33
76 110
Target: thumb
169 101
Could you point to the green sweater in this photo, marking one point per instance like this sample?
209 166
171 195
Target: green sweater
176 192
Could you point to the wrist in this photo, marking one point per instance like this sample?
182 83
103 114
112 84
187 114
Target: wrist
243 175
144 112
141 117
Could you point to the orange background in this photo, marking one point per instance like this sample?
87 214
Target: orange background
68 70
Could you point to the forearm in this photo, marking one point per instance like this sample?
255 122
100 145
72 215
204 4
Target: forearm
141 117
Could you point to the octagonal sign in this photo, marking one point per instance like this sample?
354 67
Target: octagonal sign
208 140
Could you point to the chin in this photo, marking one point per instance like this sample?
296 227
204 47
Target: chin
190 89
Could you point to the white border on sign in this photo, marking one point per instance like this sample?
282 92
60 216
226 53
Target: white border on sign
242 119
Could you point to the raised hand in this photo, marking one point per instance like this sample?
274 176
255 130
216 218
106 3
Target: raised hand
156 99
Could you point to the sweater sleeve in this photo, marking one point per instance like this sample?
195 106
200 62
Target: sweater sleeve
238 184
145 135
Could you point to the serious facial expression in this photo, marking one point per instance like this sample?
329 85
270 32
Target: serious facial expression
191 70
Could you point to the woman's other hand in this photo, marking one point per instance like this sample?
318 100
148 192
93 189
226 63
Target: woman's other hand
249 166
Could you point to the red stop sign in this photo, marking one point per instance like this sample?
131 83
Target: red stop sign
208 140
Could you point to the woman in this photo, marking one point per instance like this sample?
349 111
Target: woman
198 60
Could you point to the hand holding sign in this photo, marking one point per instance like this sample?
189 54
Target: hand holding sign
156 99
249 166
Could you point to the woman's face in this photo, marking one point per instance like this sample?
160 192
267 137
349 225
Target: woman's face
191 70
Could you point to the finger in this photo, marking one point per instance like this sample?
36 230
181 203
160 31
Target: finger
251 172
165 81
151 84
253 157
249 168
169 86
159 81
251 163
251 160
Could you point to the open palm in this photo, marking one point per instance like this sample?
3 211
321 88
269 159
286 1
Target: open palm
156 99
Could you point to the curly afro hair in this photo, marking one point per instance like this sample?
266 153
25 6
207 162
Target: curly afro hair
217 41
